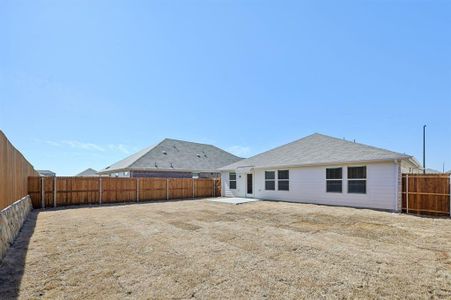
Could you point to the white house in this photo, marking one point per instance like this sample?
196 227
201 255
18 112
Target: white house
323 170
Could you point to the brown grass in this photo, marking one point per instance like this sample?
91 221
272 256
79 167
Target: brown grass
210 250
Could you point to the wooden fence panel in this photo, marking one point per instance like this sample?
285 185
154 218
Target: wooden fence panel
204 188
115 190
97 190
14 172
34 190
152 189
77 190
426 194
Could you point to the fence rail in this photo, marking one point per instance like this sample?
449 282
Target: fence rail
64 191
14 171
426 194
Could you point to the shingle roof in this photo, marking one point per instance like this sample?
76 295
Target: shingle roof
173 154
46 173
317 149
88 172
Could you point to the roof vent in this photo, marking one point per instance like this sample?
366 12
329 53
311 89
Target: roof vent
172 166
165 153
198 155
156 166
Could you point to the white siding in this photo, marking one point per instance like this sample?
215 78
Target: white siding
308 185
240 185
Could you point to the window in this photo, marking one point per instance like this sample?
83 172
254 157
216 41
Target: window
357 180
283 183
334 178
232 180
270 180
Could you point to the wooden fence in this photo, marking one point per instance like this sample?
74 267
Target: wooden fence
63 191
426 194
14 171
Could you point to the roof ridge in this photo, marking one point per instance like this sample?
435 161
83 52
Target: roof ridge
178 140
203 144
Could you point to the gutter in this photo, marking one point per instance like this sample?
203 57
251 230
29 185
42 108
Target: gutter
317 164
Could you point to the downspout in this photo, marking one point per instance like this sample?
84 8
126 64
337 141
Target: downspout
398 183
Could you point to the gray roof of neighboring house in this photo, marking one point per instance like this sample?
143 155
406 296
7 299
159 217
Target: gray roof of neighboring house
173 154
88 172
46 173
317 149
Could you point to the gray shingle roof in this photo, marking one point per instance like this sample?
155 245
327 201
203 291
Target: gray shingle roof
173 154
46 173
317 149
88 172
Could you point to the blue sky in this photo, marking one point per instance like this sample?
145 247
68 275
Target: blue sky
85 83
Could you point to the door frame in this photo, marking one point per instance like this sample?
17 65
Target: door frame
246 185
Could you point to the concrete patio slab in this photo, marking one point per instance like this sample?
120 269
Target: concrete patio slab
234 201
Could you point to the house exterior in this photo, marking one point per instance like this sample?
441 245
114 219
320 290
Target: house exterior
173 159
89 172
46 173
323 170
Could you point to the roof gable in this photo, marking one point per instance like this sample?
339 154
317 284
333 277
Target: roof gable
317 149
88 172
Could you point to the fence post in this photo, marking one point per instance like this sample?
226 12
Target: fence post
214 187
167 188
42 192
449 195
54 191
100 190
407 193
193 188
137 189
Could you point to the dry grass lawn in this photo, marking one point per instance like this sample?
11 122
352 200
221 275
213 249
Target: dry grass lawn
201 249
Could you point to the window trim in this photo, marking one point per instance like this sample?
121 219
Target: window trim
287 180
357 179
232 180
335 179
273 180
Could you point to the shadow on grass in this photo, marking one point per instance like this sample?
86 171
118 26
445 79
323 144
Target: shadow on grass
112 204
13 265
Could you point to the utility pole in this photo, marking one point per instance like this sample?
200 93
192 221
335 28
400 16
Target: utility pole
424 149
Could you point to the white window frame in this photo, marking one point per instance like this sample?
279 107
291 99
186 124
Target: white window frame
287 180
334 179
274 180
232 180
357 179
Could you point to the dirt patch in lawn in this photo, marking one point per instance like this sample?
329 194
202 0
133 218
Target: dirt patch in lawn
203 249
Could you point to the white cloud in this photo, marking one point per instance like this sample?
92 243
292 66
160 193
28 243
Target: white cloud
119 148
242 151
83 145
91 147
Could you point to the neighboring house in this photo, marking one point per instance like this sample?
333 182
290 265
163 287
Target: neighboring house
87 173
46 173
324 170
173 158
433 171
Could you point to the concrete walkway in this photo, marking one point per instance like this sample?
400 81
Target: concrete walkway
234 201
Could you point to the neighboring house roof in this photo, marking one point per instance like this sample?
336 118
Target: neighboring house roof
88 172
46 173
317 149
432 171
173 154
